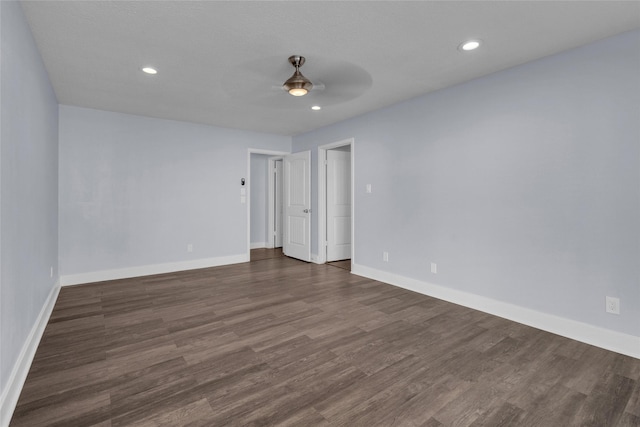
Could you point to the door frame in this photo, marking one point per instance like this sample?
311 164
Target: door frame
251 151
322 198
271 166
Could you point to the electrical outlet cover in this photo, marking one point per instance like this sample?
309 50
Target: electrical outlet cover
613 305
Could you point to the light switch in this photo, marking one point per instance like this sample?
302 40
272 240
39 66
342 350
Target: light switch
368 188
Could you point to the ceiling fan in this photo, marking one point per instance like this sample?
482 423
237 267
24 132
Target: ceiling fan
297 84
259 82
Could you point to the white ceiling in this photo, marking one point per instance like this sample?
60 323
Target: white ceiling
222 62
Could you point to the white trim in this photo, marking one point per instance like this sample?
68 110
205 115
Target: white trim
593 335
322 197
270 203
322 207
148 270
271 242
268 152
258 245
18 375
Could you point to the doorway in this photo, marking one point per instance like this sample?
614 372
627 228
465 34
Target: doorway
257 197
336 203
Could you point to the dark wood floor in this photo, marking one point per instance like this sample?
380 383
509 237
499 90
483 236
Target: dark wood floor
266 253
282 342
345 265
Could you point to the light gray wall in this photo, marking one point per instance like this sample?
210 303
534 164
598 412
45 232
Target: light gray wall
259 197
523 186
28 185
135 191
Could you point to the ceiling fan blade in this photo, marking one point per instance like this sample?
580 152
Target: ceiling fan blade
317 85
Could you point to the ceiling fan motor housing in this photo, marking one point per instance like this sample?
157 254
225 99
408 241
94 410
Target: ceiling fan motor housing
297 84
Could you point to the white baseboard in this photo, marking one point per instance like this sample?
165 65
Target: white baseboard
593 335
148 270
258 245
11 392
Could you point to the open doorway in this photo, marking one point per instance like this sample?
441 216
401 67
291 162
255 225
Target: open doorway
260 237
258 197
288 211
335 201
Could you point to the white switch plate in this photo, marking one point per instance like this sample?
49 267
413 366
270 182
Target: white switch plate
613 305
434 268
368 188
190 247
385 256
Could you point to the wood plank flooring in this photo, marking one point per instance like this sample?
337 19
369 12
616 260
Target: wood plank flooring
281 342
345 264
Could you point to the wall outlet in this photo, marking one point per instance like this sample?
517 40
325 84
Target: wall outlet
434 268
190 247
385 256
368 188
613 305
51 272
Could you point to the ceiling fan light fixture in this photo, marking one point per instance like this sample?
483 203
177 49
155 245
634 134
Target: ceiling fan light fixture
297 84
298 91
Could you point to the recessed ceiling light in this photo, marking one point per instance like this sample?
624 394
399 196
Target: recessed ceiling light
150 70
470 45
316 107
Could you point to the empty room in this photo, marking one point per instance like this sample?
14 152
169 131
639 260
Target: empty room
319 213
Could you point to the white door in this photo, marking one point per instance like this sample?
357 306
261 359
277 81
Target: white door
278 204
338 205
297 206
